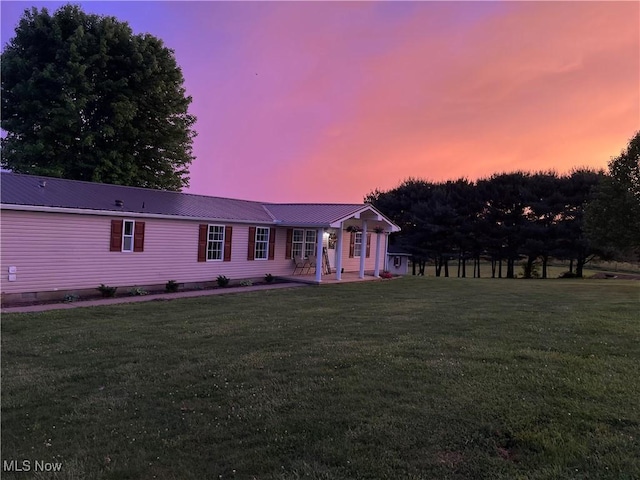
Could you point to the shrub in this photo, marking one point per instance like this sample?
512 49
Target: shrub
107 291
71 297
223 281
138 291
171 286
269 278
386 274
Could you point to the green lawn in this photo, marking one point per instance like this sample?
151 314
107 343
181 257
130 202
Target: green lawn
405 379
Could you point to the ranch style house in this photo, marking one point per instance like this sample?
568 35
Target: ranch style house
60 236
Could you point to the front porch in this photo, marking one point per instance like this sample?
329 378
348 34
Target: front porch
341 239
330 278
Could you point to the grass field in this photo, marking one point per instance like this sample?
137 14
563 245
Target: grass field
554 270
417 378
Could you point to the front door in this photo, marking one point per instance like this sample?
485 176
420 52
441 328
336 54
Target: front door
331 250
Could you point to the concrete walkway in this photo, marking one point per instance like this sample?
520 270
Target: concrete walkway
147 298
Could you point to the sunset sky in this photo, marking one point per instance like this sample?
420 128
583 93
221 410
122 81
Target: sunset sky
324 102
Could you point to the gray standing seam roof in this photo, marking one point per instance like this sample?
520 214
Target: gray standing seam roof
19 189
32 190
311 213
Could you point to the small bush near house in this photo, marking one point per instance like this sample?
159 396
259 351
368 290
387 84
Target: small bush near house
269 278
71 297
138 291
171 286
107 291
223 281
386 275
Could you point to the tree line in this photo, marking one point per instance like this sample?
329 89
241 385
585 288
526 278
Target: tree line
518 216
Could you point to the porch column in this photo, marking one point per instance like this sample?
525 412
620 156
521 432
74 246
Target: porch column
363 248
339 254
376 271
319 255
386 251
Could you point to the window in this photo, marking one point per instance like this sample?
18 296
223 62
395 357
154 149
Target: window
215 242
357 244
309 243
303 243
262 243
127 236
297 245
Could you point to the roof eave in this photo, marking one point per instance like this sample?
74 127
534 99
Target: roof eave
115 213
280 223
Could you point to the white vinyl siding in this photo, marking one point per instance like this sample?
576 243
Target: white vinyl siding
65 252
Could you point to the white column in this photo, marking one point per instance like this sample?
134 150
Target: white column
376 271
363 248
386 252
339 254
319 239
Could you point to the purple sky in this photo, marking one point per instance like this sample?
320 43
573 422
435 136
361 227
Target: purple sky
304 102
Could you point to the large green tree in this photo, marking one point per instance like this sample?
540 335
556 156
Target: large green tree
613 216
86 99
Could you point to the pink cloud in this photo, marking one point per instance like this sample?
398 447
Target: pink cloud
531 88
325 101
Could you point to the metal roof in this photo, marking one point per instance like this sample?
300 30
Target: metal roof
19 189
311 213
32 191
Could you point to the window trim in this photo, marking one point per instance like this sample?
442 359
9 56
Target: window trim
117 237
130 236
221 242
304 243
357 245
310 246
261 242
300 243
